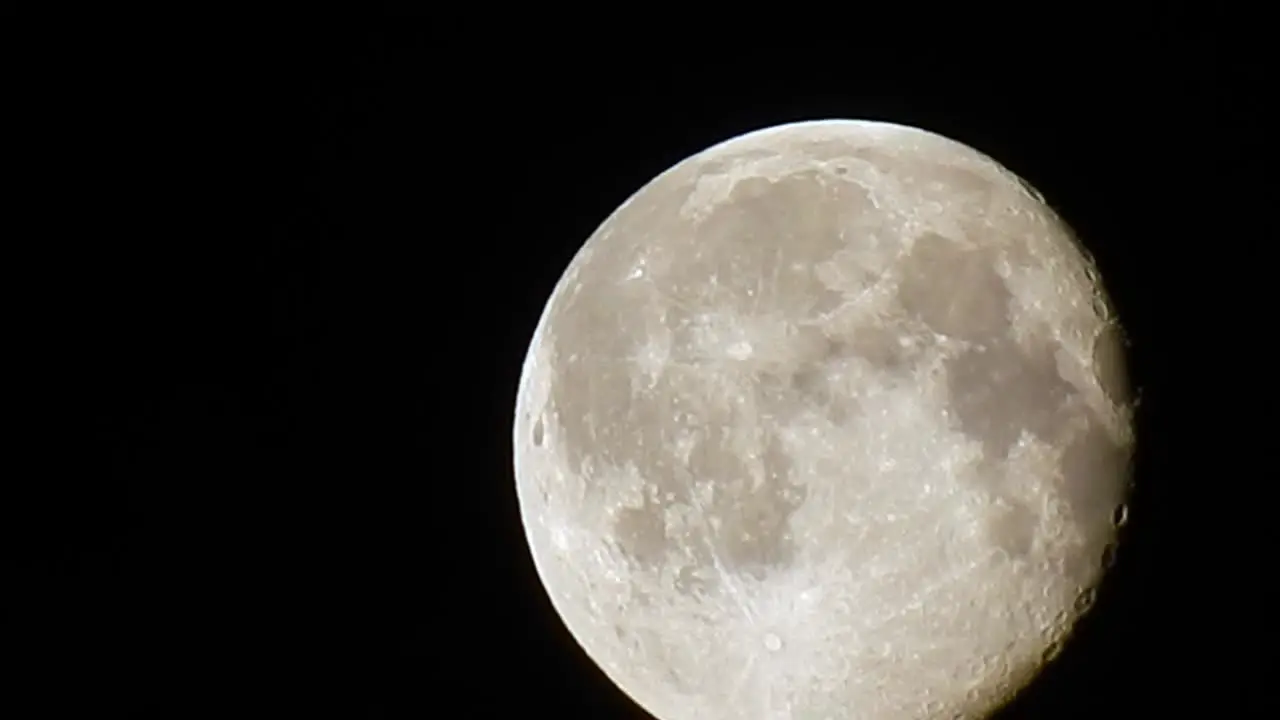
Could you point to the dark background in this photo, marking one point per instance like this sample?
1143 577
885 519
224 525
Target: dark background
294 276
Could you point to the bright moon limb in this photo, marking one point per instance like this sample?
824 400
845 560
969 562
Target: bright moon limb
829 420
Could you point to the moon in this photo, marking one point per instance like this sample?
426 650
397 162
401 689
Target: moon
829 420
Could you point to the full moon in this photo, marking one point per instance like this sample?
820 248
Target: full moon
829 420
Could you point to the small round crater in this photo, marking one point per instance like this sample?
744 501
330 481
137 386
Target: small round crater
1013 532
1109 556
772 642
999 557
974 668
1051 653
1085 600
1120 516
538 433
1101 307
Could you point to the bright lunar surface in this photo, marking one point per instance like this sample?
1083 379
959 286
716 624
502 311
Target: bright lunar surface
827 421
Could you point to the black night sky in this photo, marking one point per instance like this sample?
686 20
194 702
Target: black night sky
295 275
